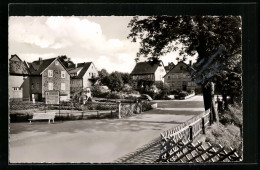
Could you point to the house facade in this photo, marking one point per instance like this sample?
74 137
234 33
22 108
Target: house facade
83 75
147 74
179 77
18 79
49 75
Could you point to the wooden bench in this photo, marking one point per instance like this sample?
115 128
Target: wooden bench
43 116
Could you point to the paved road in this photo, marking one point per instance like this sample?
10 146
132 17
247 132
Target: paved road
96 141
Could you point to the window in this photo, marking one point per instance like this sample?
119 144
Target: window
56 63
89 74
17 88
50 73
62 86
32 86
63 74
50 86
37 85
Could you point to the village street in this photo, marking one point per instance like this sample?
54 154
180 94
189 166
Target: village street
97 140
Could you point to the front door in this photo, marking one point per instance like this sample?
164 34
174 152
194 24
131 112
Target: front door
184 86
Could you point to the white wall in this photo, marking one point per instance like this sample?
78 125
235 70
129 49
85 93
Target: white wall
159 73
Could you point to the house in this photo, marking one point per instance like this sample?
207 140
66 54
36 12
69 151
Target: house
179 77
147 74
18 80
49 75
83 75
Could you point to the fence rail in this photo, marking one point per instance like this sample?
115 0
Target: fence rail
189 129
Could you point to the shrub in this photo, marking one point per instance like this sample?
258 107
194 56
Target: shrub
115 95
232 116
198 91
98 91
146 105
127 88
183 94
225 135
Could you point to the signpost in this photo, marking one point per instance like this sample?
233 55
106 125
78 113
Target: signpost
52 97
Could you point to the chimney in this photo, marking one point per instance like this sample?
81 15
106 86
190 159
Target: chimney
40 60
190 63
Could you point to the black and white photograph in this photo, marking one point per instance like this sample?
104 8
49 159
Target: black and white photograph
125 89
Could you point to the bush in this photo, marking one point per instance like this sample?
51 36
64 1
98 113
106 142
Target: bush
115 95
146 105
99 106
183 94
98 91
225 135
198 91
127 88
232 116
190 91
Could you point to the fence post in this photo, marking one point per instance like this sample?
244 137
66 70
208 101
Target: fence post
119 109
203 125
190 130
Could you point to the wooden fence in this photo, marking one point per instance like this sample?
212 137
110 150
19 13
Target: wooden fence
189 129
181 150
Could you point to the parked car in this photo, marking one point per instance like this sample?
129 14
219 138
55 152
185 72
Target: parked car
145 97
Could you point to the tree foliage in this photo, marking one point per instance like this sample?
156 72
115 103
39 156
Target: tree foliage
115 81
203 35
65 61
190 35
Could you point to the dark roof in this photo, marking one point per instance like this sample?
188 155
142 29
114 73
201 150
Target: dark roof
83 70
144 68
188 68
17 66
75 70
37 68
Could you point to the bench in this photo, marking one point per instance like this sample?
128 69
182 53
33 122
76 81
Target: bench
43 116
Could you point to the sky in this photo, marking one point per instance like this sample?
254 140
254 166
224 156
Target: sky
101 40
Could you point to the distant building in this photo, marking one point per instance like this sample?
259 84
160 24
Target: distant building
48 75
147 74
18 80
82 75
179 77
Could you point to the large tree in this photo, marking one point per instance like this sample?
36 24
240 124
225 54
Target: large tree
104 77
116 83
201 35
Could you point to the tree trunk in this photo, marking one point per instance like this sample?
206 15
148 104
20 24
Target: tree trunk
209 101
213 105
206 90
